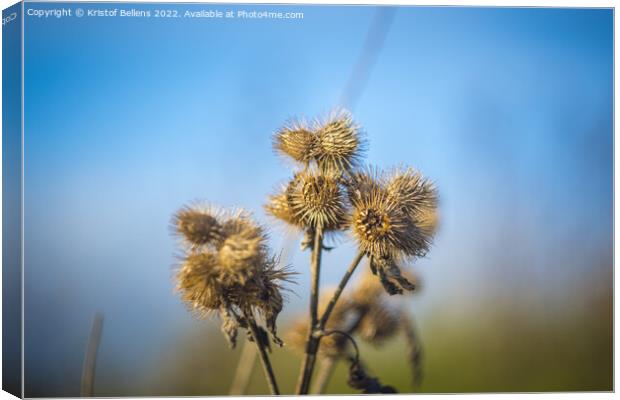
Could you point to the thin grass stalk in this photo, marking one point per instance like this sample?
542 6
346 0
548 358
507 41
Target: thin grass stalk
245 367
327 368
264 357
87 387
312 343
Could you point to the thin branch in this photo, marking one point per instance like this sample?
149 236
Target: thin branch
87 388
264 357
338 292
246 364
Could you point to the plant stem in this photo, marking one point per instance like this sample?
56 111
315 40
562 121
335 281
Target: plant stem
90 360
264 357
328 365
414 348
316 328
312 343
244 370
339 289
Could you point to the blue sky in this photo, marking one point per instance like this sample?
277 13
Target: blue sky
509 111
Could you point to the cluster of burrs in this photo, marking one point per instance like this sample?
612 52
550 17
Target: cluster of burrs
226 268
391 214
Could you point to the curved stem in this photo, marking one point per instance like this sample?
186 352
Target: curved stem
264 357
312 343
350 339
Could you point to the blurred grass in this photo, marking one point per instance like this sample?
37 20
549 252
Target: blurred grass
498 349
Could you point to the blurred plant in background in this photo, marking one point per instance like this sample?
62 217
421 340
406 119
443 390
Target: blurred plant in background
368 313
226 267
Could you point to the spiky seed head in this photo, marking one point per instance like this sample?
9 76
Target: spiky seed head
197 282
362 182
380 323
412 191
269 300
239 221
418 198
339 144
198 225
278 207
317 201
262 291
240 257
234 273
427 220
297 141
380 226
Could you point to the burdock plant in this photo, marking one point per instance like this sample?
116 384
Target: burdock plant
391 216
226 269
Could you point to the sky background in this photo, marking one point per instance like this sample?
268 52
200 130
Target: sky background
508 111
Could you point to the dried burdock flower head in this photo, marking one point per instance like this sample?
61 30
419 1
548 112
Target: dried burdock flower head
381 322
268 297
393 219
197 282
427 220
243 251
311 201
334 145
381 227
418 198
339 144
411 190
297 141
199 225
317 201
360 183
232 274
380 317
278 206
